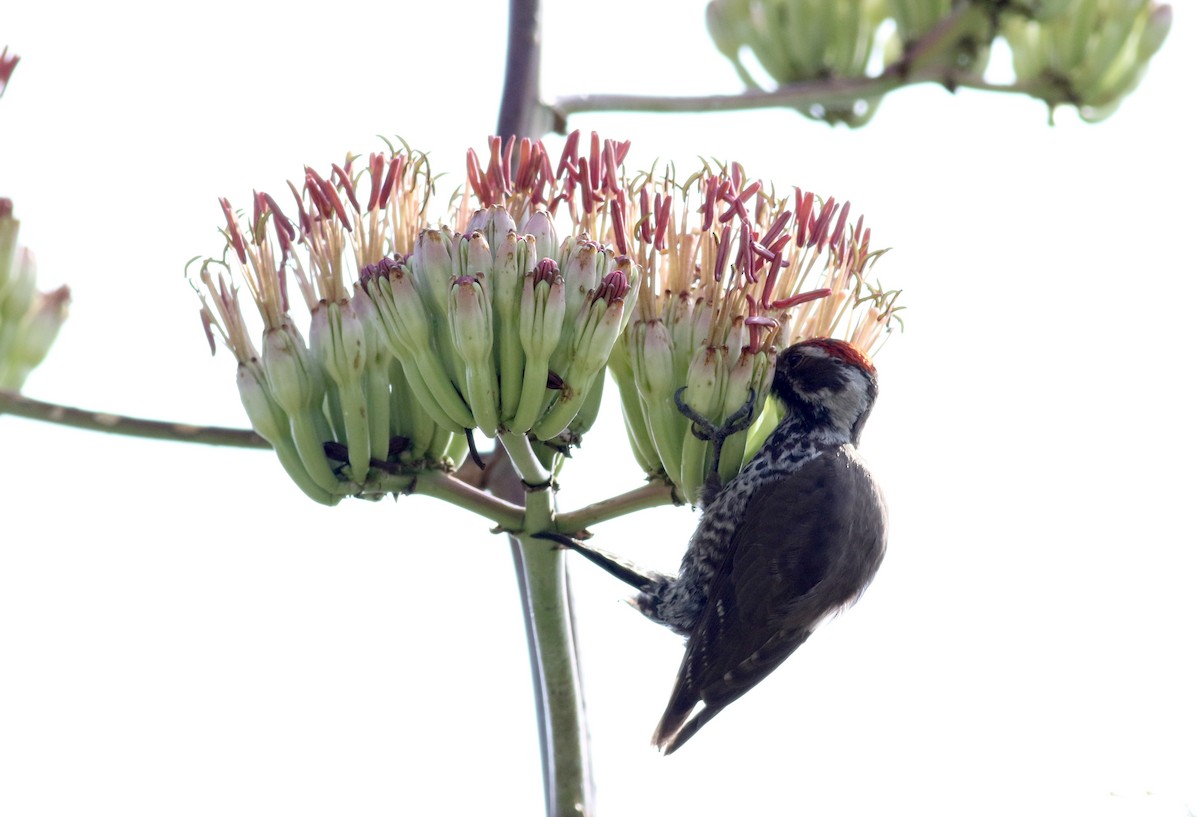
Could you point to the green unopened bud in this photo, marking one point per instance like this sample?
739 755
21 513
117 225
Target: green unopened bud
406 328
543 305
16 297
652 361
376 374
590 350
42 323
1092 57
434 270
479 258
339 343
541 227
298 389
514 259
621 366
471 330
583 264
271 423
802 40
494 223
745 378
9 228
705 394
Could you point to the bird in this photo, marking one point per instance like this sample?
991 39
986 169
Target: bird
794 537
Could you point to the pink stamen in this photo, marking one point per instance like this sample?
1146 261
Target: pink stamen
347 186
570 153
596 161
710 203
283 290
546 270
776 228
208 330
475 178
644 231
617 208
390 181
312 185
305 221
662 220
335 202
614 286
235 235
375 166
623 150
804 205
820 231
723 248
839 232
284 233
610 163
803 297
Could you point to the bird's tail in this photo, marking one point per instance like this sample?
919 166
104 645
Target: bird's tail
678 724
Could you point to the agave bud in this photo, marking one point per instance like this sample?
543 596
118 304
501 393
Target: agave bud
433 267
41 325
298 389
470 320
514 259
494 223
543 305
1092 57
592 345
339 343
652 361
705 394
271 423
541 227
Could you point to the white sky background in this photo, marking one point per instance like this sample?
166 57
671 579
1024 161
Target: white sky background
183 633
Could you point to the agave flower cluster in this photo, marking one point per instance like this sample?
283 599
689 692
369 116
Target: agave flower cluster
1086 53
733 273
420 335
1092 54
29 319
416 335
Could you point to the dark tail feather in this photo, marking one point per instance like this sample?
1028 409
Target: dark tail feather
627 572
675 728
684 733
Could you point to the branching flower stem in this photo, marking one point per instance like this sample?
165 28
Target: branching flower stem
19 405
650 495
911 69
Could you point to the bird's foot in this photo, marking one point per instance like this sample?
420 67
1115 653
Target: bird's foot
706 430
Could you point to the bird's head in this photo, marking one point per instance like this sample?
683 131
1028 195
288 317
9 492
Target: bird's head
828 383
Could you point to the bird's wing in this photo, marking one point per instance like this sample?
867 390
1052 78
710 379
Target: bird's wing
801 552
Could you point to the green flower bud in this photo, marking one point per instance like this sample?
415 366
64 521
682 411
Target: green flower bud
339 343
406 329
705 394
541 227
514 259
652 360
298 389
271 423
494 223
434 270
40 327
16 297
543 305
592 345
471 330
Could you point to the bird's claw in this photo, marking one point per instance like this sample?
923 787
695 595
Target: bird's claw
708 431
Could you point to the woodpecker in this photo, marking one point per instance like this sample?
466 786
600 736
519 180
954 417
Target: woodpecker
796 536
